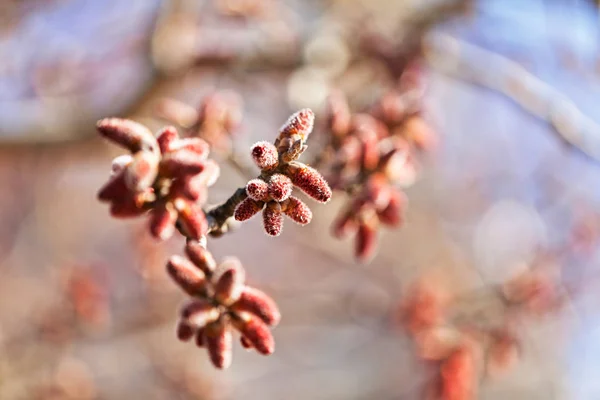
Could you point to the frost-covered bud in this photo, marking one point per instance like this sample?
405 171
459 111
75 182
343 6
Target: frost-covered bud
218 341
119 163
201 257
300 123
280 187
257 189
295 209
180 163
256 331
128 134
247 209
199 313
273 219
166 138
310 181
366 241
162 220
229 281
257 302
264 154
188 276
141 173
191 218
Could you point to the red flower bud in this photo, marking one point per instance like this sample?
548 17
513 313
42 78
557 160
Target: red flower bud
196 145
366 241
393 213
114 189
180 163
458 375
229 281
300 123
247 209
128 134
199 313
142 171
338 120
200 337
377 191
162 220
166 138
295 209
344 226
273 219
257 302
201 257
264 155
191 218
310 181
257 189
184 331
126 207
280 187
218 340
188 276
256 332
245 343
119 163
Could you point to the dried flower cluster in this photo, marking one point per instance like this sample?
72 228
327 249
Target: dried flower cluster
164 175
466 345
271 191
372 156
221 301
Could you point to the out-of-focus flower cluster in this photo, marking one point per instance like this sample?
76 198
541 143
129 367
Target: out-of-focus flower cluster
372 156
221 301
271 191
466 344
217 118
165 175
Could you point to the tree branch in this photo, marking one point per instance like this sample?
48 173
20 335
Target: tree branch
493 71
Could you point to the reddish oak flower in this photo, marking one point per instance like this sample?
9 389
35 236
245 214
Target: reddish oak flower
271 192
221 301
165 176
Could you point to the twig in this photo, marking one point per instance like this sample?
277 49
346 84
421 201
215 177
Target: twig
218 216
493 71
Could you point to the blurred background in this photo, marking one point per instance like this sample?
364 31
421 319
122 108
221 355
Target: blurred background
86 309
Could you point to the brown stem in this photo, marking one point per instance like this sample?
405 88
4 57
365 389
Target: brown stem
218 216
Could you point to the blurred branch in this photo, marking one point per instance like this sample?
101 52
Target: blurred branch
485 68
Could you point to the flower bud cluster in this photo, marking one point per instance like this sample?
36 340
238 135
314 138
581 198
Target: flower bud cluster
372 155
271 192
165 176
465 345
221 302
